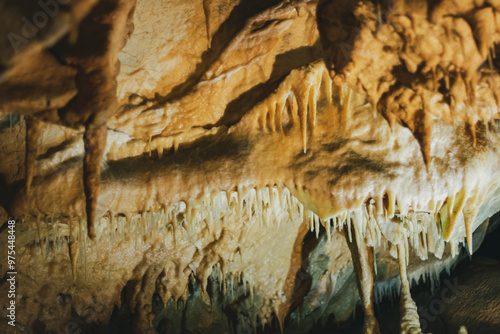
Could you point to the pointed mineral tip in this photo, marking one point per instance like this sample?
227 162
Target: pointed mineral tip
33 131
95 143
346 104
422 131
472 128
73 250
470 211
449 212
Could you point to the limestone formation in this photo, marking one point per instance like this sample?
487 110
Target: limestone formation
217 166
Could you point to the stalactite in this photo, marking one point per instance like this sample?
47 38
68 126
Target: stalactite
33 131
85 250
135 220
271 113
280 109
206 11
95 142
420 125
363 262
302 100
470 211
109 254
110 223
149 147
346 105
391 199
40 240
450 211
73 249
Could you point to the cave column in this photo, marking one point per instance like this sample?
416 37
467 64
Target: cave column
362 259
409 321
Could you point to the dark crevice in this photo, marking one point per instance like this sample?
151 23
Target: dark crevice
303 279
58 148
263 25
490 247
283 64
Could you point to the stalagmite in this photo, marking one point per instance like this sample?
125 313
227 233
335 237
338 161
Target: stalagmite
409 323
363 262
95 143
33 131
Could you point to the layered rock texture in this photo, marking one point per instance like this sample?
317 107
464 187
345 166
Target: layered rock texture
214 166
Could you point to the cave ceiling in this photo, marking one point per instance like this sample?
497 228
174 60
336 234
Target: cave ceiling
263 163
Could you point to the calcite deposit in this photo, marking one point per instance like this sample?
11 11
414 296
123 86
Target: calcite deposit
214 166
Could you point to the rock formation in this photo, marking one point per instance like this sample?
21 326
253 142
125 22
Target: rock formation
240 166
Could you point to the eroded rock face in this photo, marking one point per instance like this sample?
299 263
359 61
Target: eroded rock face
415 60
235 172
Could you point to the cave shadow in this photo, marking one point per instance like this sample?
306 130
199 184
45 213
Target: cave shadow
283 64
233 25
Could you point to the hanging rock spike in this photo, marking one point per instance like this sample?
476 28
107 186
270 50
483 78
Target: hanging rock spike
303 101
292 101
33 131
272 109
346 100
73 250
449 212
313 98
421 127
470 211
280 109
327 82
95 143
363 262
391 198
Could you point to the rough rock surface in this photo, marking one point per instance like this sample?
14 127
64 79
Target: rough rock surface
416 59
